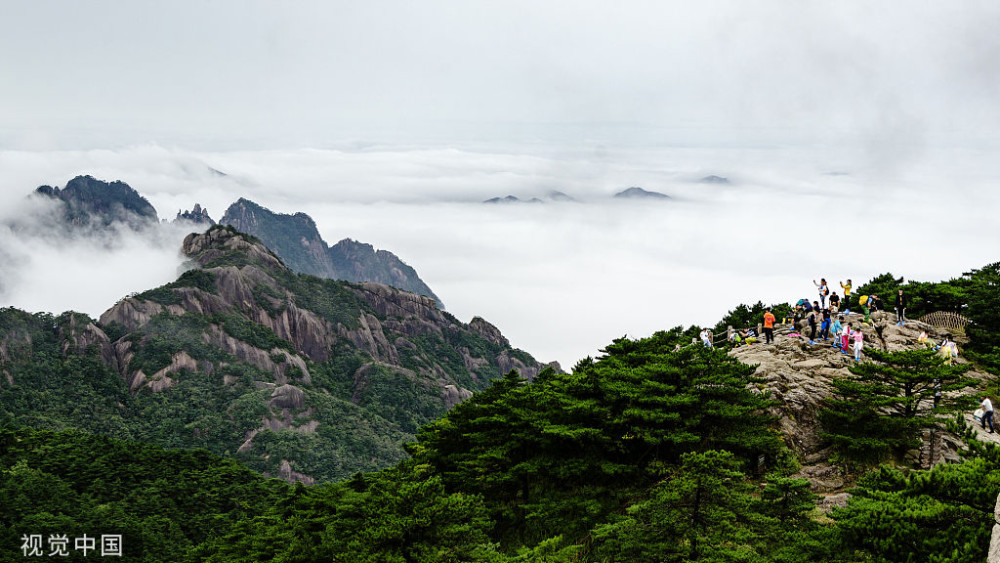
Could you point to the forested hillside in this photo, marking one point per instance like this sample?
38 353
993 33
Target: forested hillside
297 376
657 450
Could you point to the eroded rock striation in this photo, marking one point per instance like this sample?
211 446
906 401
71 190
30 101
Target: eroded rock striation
799 375
242 319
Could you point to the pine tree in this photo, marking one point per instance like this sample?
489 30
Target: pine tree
882 410
557 455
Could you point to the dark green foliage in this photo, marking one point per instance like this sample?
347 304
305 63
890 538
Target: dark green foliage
257 335
882 410
884 286
165 294
942 515
743 316
165 335
332 300
924 297
197 278
48 390
399 515
398 397
443 350
707 510
557 456
163 503
984 309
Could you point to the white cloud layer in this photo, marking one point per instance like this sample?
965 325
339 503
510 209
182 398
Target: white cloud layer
559 279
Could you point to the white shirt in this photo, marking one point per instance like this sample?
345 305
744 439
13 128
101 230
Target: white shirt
987 405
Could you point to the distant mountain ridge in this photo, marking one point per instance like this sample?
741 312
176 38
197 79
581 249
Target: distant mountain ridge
296 240
639 193
297 376
91 202
97 205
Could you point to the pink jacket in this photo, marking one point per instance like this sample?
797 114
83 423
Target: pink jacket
859 337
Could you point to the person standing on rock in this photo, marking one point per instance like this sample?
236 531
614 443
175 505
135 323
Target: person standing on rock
834 303
859 342
987 407
824 290
705 338
768 326
847 291
812 324
837 329
900 308
824 329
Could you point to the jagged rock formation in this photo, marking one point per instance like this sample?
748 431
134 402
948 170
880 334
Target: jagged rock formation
798 375
282 357
196 215
91 202
296 240
639 193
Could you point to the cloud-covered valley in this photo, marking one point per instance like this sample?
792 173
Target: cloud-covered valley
560 279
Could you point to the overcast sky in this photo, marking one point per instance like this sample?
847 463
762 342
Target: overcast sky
218 74
860 137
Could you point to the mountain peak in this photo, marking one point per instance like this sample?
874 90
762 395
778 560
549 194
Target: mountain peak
636 192
296 240
196 215
89 200
225 246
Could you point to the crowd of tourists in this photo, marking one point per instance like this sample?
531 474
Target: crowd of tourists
827 319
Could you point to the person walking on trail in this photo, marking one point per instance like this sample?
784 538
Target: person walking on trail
865 301
768 326
836 329
706 338
834 303
900 308
824 329
987 407
824 290
859 342
845 338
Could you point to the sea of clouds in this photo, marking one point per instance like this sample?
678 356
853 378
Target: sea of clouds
560 279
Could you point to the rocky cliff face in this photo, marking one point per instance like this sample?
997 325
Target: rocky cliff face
385 349
296 240
798 375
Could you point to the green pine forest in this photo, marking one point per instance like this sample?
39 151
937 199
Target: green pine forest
653 451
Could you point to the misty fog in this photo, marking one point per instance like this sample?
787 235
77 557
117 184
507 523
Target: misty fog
560 279
857 137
